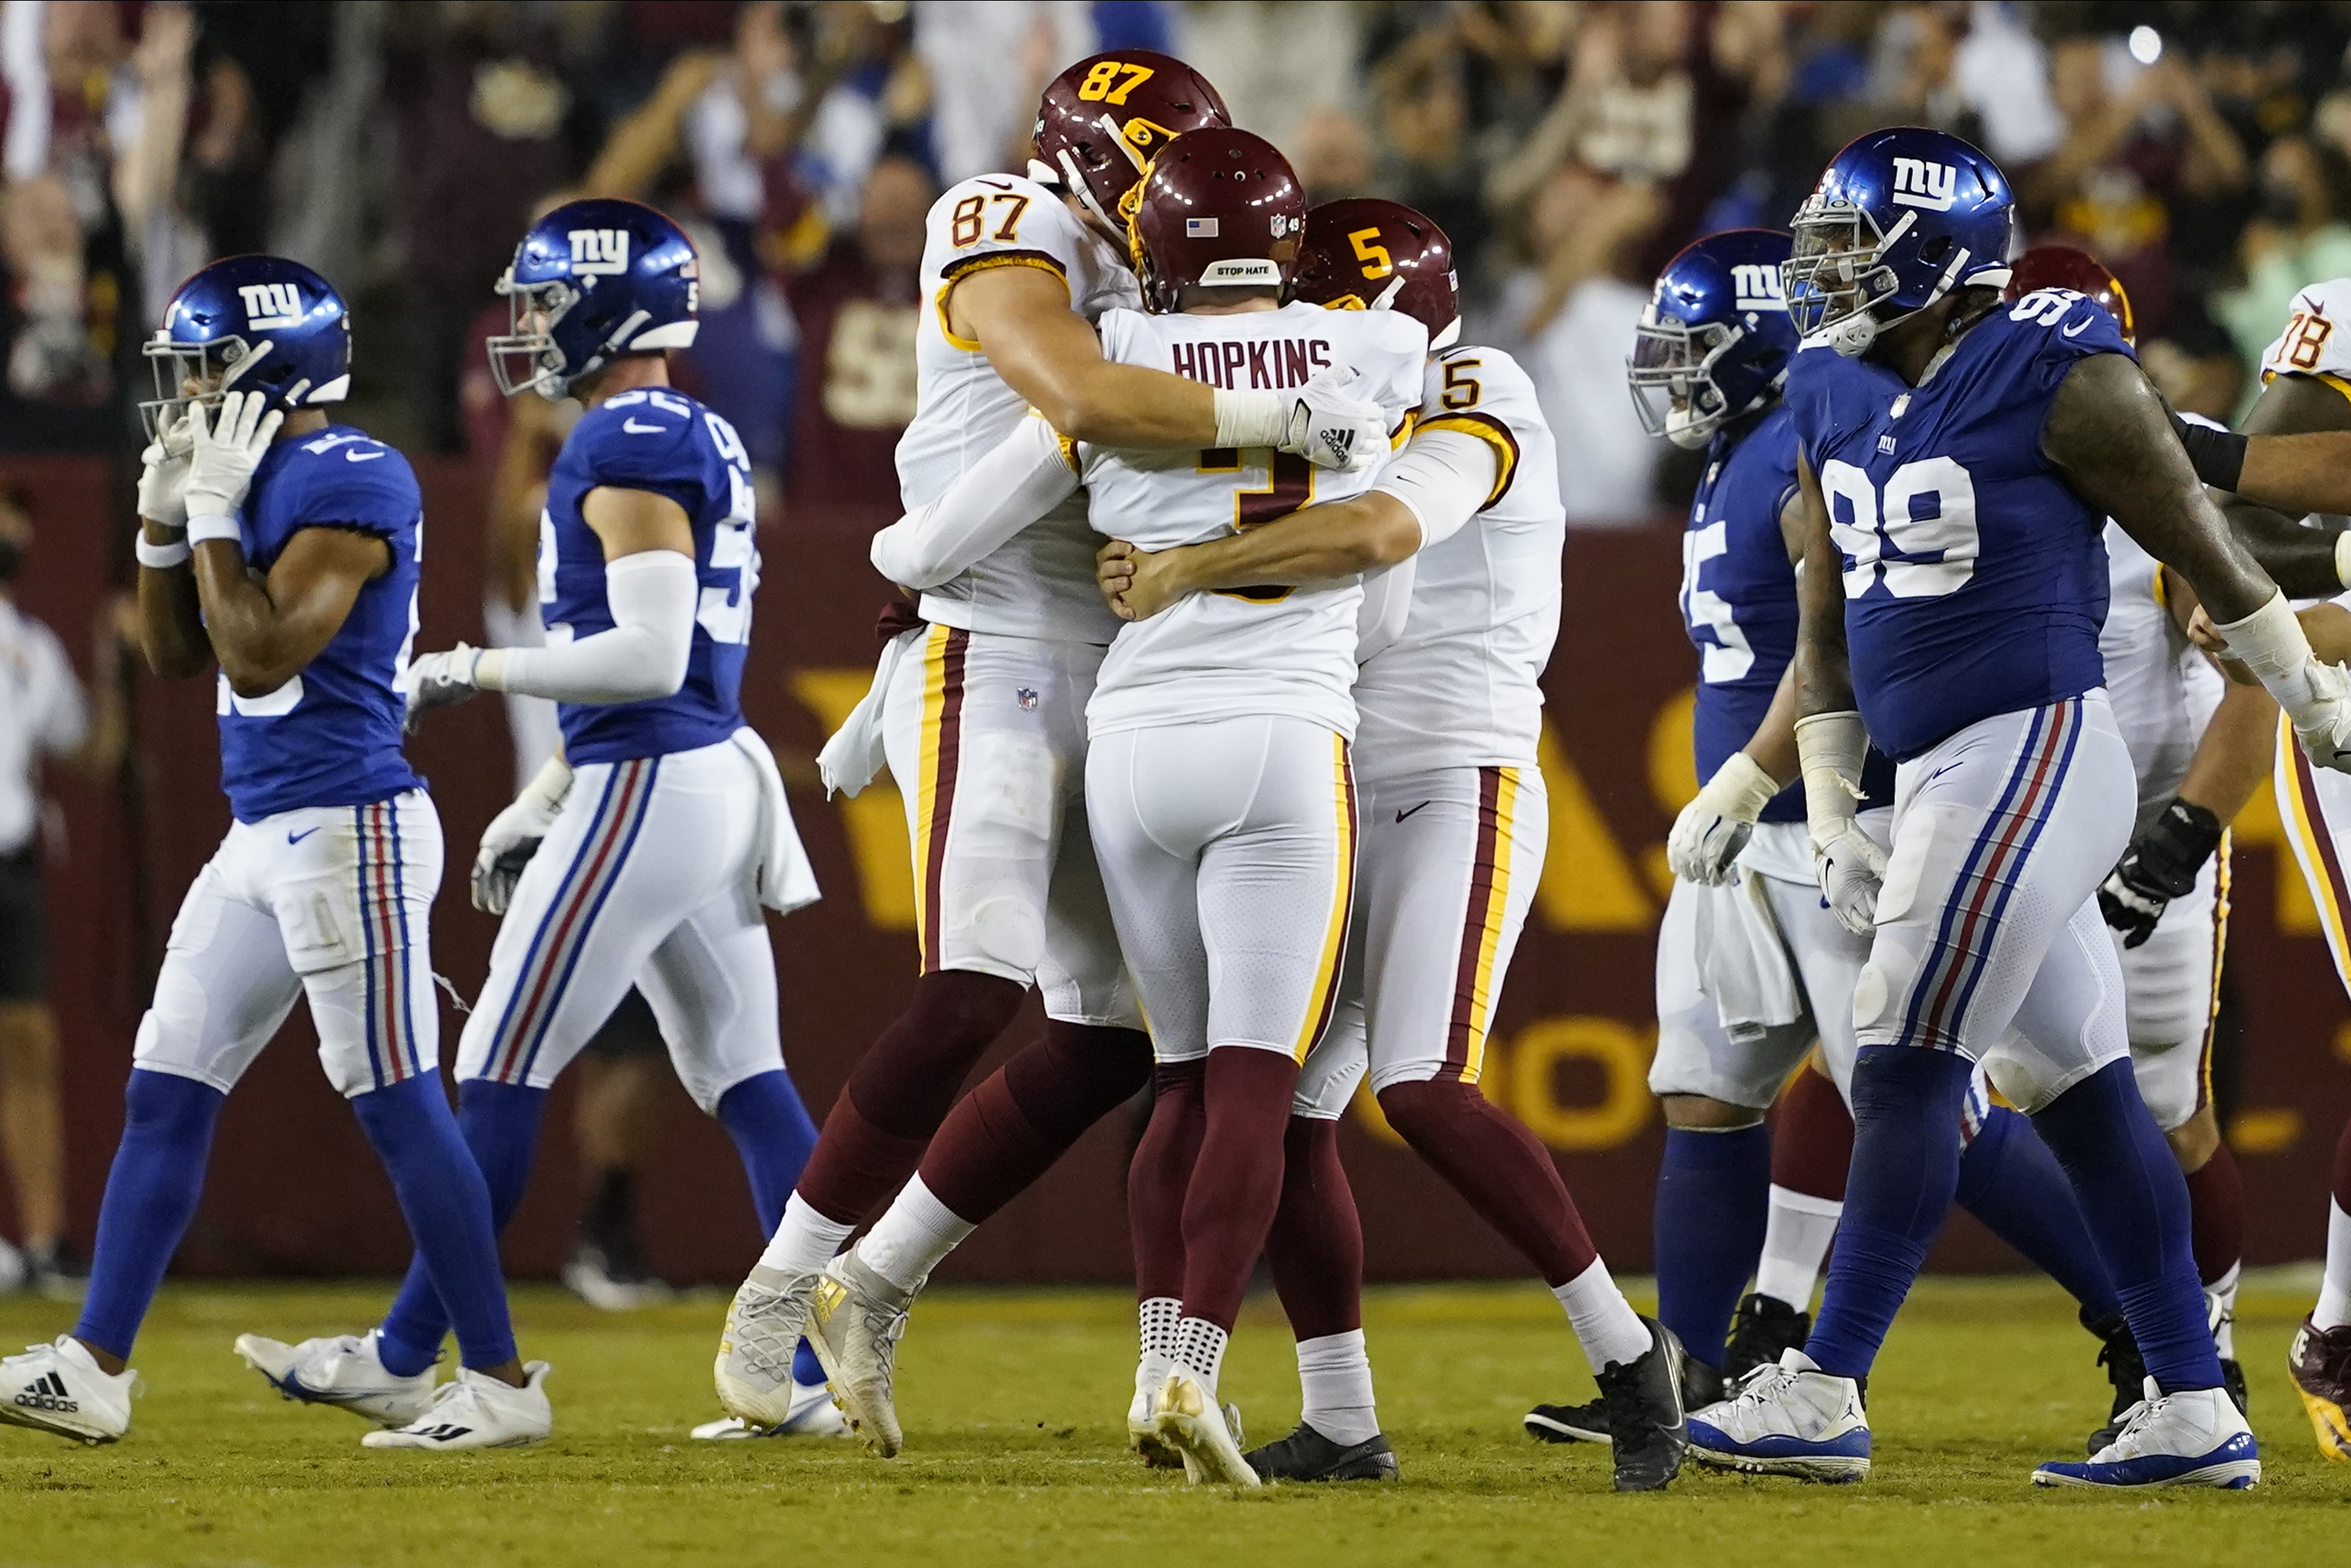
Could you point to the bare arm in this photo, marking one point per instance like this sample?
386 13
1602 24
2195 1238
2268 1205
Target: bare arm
264 629
630 522
1321 544
1823 679
2108 433
171 624
2236 755
1021 318
2285 468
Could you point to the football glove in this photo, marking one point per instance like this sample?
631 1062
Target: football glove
2161 864
1331 429
1851 868
164 479
515 834
224 452
1713 828
439 680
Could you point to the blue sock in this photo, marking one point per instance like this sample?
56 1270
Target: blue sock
447 1206
150 1195
1905 1165
499 1123
2124 1174
772 1132
2010 1180
1714 1197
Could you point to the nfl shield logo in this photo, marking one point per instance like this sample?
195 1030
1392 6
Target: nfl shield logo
1200 228
1026 697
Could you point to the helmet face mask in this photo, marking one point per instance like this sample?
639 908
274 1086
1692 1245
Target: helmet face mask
1671 373
526 357
1837 275
593 280
1714 342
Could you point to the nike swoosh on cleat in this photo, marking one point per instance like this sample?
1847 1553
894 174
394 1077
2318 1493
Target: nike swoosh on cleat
634 428
364 456
297 837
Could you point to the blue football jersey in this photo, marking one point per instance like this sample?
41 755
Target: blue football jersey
662 440
1975 579
1739 599
329 736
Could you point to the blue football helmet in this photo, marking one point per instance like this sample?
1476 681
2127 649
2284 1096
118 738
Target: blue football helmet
591 280
1715 340
1900 218
248 323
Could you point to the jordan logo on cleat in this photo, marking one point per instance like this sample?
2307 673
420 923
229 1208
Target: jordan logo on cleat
47 1392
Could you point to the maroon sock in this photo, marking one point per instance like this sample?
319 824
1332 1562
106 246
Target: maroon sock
901 1090
1811 1138
1006 1133
1489 1158
1316 1246
2216 1208
1237 1179
1156 1180
2342 1170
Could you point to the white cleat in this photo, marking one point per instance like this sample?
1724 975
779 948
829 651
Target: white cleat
59 1388
1796 1420
764 1324
2195 1438
1187 1419
814 1416
473 1411
855 1320
345 1372
1142 1434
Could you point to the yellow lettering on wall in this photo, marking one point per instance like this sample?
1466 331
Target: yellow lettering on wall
1588 884
2259 823
1621 1053
1673 765
876 818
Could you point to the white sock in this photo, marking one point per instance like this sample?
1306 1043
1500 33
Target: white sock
804 1241
914 1234
1795 1238
1200 1351
1158 1316
1334 1374
2334 1309
2221 1311
1604 1321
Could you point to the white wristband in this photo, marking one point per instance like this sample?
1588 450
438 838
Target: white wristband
162 558
215 526
1740 789
1252 419
2342 557
1831 747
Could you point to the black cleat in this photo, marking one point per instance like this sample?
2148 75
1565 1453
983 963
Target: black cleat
2126 1369
1701 1385
1642 1400
1765 1327
2233 1378
1306 1455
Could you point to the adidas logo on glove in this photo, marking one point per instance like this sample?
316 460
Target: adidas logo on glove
1340 443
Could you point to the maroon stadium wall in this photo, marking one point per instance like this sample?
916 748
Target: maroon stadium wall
294 1189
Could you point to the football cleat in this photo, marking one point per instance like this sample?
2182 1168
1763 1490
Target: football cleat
855 1320
764 1324
59 1388
2126 1370
1588 1423
2320 1364
1642 1400
473 1411
1187 1419
1765 1328
2197 1439
1791 1420
1306 1455
56 1271
345 1372
613 1283
1141 1435
814 1416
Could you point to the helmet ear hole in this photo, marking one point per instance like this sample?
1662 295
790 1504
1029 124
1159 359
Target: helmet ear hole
1936 251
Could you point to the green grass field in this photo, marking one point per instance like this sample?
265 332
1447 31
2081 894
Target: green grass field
1014 1402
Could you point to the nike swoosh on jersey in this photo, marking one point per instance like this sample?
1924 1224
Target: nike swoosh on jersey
634 428
364 456
297 837
1423 806
2076 331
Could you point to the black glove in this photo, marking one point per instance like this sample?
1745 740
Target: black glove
2159 866
2218 456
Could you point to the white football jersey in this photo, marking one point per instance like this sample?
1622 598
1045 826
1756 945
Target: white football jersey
1284 650
1460 688
2317 337
2162 688
1041 584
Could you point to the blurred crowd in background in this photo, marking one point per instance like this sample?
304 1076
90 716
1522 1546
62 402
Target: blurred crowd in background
400 146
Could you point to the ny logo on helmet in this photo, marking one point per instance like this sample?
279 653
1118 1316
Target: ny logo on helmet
1758 287
602 252
1918 183
269 305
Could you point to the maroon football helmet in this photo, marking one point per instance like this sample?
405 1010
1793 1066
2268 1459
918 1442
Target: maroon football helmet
1103 120
2063 267
1219 208
1366 253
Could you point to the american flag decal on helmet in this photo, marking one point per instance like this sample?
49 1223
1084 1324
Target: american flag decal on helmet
1200 228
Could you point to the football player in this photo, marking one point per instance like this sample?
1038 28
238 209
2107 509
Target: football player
642 854
284 547
978 712
1454 820
1957 458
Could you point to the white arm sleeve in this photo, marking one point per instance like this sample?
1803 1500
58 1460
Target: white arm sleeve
1443 478
1022 478
652 595
1387 604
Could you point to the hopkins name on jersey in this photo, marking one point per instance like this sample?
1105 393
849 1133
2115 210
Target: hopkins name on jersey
1283 650
1739 599
662 440
1975 580
1041 583
331 736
